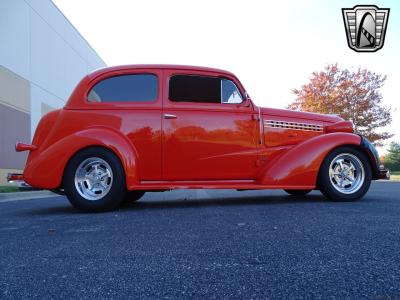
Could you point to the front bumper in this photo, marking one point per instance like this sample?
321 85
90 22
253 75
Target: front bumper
384 174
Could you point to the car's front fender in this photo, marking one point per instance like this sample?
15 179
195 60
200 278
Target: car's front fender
45 167
299 166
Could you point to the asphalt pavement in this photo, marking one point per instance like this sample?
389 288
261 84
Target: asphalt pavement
206 244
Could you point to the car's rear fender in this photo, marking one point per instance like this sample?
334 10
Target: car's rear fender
45 169
300 165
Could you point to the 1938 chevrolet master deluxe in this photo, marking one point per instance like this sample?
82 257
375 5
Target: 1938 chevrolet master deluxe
131 129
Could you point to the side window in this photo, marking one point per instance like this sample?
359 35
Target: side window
229 92
125 88
192 88
188 88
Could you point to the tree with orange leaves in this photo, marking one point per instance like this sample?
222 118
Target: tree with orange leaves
353 95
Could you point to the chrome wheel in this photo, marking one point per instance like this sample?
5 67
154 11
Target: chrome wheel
346 173
93 178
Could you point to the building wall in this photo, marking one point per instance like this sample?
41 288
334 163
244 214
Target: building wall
42 58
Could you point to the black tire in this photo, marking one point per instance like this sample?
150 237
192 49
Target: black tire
116 187
297 192
133 196
327 186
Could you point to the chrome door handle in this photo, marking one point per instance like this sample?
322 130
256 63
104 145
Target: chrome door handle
169 116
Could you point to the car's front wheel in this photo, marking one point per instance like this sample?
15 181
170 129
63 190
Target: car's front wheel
345 174
94 180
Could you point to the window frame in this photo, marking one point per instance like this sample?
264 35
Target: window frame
152 104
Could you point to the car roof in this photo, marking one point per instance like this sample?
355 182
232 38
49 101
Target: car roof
76 100
156 66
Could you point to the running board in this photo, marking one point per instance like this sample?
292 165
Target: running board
211 184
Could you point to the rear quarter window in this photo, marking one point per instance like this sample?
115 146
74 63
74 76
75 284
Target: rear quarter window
125 88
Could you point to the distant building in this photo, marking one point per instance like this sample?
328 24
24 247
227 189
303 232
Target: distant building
42 57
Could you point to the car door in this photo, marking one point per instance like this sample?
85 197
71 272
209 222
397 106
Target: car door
209 133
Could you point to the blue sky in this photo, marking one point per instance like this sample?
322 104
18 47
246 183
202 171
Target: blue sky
272 46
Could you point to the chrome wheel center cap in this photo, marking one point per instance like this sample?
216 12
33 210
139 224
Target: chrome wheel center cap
93 178
346 173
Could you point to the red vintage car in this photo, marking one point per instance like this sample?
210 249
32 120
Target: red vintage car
130 129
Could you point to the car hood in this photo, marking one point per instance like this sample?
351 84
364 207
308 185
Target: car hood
300 115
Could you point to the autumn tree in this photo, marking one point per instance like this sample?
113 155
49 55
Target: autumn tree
353 95
392 158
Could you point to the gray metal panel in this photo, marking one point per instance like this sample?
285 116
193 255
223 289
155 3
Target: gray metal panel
14 127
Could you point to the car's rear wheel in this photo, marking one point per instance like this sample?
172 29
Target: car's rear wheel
297 192
345 174
94 180
133 196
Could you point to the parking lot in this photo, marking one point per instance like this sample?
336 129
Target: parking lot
205 244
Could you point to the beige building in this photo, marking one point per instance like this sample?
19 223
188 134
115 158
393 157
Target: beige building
42 57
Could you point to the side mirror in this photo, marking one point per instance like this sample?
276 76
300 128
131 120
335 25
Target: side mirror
246 100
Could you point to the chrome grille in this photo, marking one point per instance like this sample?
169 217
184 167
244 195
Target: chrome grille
293 125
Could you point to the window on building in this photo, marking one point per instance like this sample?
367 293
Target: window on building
125 88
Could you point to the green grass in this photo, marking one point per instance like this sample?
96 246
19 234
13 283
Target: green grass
8 189
395 175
